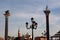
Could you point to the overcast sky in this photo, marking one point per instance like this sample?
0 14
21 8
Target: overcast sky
22 10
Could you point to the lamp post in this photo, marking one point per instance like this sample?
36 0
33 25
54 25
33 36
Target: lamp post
6 24
32 26
47 12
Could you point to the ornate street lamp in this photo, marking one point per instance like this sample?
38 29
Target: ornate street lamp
7 14
32 26
47 12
